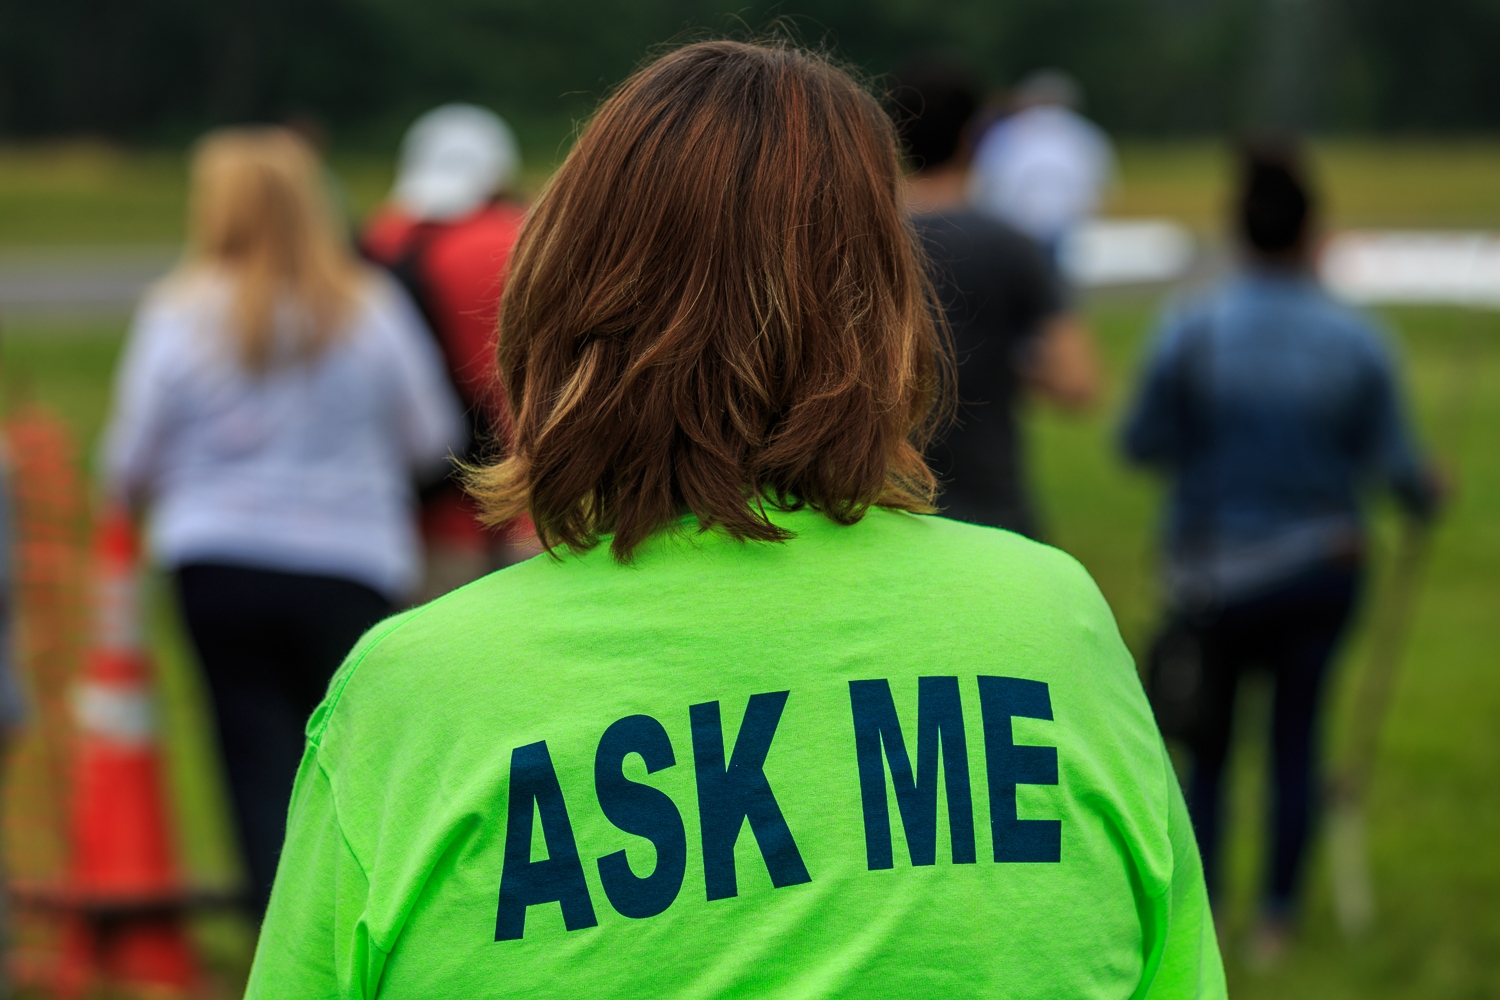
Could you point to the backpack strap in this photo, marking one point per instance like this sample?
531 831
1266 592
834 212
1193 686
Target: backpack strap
409 268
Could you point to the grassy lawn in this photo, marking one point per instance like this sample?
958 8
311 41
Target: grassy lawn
1435 813
81 193
1403 184
86 193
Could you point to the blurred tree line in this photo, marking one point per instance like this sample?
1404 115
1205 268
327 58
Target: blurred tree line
160 70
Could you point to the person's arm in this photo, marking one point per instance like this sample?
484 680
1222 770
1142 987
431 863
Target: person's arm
430 416
139 422
1189 967
1390 452
12 700
1063 365
1055 357
314 942
1152 433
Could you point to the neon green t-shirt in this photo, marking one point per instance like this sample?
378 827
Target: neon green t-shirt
907 758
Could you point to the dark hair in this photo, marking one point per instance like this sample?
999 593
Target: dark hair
932 103
717 306
1275 201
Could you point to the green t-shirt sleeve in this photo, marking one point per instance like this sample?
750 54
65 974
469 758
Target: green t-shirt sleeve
1190 965
367 642
314 942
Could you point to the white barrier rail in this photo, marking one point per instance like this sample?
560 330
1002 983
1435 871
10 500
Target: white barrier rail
1411 267
1114 252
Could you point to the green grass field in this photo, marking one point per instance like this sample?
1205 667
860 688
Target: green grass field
1435 813
86 193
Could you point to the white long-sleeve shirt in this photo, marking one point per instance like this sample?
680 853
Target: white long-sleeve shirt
306 468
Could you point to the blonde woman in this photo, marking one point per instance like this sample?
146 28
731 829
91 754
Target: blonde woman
276 402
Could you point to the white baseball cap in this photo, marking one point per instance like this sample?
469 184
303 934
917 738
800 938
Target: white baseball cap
453 159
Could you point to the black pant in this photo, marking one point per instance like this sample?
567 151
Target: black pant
1292 632
268 643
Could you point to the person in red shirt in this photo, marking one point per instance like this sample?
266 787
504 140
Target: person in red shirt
446 233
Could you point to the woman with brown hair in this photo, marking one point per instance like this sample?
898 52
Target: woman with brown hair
276 401
719 354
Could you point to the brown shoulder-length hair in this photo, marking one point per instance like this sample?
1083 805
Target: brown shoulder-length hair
717 306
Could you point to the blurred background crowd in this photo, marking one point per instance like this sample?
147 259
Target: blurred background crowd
1221 276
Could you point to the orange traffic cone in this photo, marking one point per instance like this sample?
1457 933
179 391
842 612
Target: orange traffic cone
125 928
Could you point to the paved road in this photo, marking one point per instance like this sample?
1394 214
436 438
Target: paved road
91 283
82 282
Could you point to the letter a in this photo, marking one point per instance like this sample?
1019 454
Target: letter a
558 879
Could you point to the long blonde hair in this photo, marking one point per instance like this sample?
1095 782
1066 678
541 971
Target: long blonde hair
260 215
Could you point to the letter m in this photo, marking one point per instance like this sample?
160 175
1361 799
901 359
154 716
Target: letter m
940 723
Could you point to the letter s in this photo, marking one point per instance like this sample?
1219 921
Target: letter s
642 810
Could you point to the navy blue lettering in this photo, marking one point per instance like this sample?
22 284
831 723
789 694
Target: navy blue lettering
642 810
728 796
559 878
940 720
1009 765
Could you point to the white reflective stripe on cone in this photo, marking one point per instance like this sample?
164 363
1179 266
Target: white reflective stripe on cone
122 713
117 618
